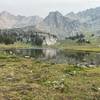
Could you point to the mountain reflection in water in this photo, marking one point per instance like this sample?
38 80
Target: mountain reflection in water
58 56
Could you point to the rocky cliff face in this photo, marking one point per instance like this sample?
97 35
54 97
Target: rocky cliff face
59 25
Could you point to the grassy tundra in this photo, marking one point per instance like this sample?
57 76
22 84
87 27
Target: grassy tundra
28 79
72 45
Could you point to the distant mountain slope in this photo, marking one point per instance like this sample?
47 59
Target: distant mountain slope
55 23
72 23
8 20
89 17
28 21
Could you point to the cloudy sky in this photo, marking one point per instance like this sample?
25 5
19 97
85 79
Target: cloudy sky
43 7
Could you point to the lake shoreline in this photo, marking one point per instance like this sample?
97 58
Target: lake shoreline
79 48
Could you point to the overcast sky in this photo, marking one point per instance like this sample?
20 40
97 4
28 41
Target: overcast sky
43 7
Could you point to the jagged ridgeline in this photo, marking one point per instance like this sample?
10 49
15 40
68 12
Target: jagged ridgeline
72 25
10 36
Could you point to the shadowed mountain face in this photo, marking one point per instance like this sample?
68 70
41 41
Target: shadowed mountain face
55 23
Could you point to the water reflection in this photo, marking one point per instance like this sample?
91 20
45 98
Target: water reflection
50 53
34 53
57 56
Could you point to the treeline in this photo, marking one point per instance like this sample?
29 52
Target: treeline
79 38
11 39
15 35
7 39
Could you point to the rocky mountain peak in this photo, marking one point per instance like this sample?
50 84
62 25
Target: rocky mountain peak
6 14
8 20
71 13
54 18
55 13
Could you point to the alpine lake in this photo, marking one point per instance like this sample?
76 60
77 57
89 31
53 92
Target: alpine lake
56 56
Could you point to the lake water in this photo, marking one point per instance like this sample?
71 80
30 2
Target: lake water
58 56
